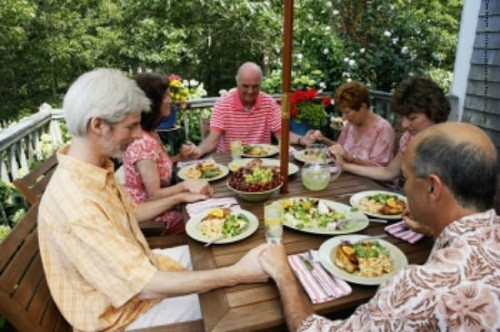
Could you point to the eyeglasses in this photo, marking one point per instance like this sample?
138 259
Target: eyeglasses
346 112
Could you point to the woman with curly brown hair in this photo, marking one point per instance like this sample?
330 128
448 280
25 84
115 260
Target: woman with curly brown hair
367 138
421 103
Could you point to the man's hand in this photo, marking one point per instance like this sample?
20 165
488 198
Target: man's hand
188 149
249 269
415 225
274 260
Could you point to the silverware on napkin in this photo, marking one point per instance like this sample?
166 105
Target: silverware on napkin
314 273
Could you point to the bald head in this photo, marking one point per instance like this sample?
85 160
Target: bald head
248 69
463 156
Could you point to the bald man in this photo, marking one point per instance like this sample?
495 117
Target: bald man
451 177
245 114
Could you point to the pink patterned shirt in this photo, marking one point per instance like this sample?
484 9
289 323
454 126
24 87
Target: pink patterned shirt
457 289
230 118
375 146
149 146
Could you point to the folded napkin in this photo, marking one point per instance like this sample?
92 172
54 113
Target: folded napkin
181 164
199 207
320 285
401 231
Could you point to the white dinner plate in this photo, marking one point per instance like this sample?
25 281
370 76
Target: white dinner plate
183 173
193 228
359 196
270 150
357 221
327 249
299 155
235 164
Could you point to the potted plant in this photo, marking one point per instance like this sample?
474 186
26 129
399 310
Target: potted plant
307 111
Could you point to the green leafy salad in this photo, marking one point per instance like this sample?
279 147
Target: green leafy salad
312 213
234 224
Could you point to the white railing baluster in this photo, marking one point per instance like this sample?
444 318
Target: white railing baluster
4 173
23 160
14 166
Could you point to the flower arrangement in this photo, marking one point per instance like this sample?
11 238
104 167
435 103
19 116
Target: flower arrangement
306 105
183 90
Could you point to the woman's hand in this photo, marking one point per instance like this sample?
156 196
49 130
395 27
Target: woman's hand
314 136
198 187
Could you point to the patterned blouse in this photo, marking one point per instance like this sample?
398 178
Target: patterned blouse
149 146
457 289
375 146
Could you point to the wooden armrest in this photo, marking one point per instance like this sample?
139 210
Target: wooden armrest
167 241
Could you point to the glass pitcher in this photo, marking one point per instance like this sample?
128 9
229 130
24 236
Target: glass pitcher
316 176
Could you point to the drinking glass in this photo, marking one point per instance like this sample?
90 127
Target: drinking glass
315 153
273 221
236 149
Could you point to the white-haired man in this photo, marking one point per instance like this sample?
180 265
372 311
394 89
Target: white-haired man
99 268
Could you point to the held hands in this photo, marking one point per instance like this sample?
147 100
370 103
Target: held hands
188 149
415 225
338 152
249 268
196 186
274 260
314 136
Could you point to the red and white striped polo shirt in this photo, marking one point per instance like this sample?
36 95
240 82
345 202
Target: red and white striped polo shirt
230 118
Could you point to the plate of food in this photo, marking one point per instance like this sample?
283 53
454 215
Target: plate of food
259 150
321 216
222 225
311 156
369 262
207 170
380 204
239 163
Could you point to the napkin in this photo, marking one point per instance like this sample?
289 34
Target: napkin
182 164
329 288
198 207
401 231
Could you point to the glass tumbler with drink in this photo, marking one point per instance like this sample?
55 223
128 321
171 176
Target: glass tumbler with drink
236 149
273 221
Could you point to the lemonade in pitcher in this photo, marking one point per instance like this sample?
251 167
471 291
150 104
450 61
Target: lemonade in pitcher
316 176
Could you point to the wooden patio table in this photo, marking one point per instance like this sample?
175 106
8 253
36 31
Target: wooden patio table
251 307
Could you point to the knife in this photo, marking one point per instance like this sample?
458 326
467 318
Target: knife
316 277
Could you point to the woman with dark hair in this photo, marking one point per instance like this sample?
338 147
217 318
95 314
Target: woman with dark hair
421 103
367 138
148 167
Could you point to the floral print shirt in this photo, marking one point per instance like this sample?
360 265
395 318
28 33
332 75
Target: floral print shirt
149 146
457 289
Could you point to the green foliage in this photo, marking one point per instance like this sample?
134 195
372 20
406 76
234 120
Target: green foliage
13 203
45 45
312 113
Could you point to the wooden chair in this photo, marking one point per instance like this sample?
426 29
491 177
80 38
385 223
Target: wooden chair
25 299
24 295
33 184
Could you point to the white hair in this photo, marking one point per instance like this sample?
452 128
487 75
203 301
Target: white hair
104 93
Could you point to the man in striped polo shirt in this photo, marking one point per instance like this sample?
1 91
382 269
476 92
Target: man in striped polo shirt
245 114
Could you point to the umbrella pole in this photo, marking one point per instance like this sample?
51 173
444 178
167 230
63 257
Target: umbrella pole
285 92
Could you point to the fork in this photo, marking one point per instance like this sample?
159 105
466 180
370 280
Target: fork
344 195
215 239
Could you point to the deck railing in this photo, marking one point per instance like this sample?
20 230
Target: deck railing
20 143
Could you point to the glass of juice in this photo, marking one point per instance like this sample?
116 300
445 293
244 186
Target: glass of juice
273 221
316 176
236 149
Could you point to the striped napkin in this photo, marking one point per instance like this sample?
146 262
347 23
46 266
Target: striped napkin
326 289
199 207
182 164
401 231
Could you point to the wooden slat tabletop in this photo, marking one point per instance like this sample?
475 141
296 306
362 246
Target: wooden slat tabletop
257 306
